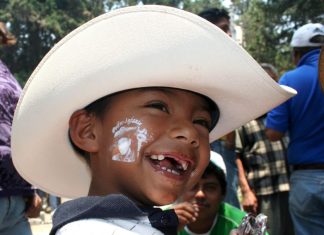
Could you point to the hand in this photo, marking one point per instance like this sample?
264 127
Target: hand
34 205
250 202
187 213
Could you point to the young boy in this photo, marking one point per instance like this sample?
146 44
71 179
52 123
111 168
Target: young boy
214 216
123 109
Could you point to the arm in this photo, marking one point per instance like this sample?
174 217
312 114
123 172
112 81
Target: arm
230 140
273 135
33 206
249 202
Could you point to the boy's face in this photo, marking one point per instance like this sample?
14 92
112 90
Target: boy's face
151 144
207 194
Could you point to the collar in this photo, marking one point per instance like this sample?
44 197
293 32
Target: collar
112 206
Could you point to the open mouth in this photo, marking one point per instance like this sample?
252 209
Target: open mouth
170 164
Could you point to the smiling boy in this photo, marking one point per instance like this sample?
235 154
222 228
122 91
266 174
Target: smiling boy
118 115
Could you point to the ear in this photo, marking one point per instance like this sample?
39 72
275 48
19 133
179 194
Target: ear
82 131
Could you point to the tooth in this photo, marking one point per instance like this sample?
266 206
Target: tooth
185 165
154 157
169 170
160 157
175 172
163 168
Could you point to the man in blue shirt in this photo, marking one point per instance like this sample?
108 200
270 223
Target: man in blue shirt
303 118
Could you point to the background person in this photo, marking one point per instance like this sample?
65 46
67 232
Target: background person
263 172
302 118
18 200
211 215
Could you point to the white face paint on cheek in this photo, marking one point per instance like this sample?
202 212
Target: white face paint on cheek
128 139
141 138
124 145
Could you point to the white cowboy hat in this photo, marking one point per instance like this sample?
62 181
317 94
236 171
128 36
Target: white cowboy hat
133 47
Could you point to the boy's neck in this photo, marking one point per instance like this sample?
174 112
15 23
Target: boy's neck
97 190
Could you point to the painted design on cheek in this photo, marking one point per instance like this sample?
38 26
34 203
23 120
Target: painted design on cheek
124 145
128 139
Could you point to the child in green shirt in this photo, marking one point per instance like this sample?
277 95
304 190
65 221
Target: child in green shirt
213 215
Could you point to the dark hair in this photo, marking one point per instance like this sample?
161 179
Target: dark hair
214 15
212 169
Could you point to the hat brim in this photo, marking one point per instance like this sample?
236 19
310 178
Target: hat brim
130 48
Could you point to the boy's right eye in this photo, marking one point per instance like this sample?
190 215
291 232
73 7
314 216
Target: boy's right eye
158 105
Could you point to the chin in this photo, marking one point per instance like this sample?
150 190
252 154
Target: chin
162 199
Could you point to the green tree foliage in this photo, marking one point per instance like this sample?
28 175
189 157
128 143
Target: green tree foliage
268 26
196 6
38 25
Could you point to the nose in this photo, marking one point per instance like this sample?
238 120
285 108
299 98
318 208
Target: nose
186 132
200 194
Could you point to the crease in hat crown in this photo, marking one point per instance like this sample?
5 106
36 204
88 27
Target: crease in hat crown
134 47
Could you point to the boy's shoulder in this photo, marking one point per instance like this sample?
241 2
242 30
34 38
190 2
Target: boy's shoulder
94 207
110 211
109 227
230 213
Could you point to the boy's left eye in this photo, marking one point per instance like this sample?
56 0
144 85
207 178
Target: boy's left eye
203 122
158 105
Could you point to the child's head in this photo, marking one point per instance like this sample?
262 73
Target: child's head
271 70
210 190
148 137
218 17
